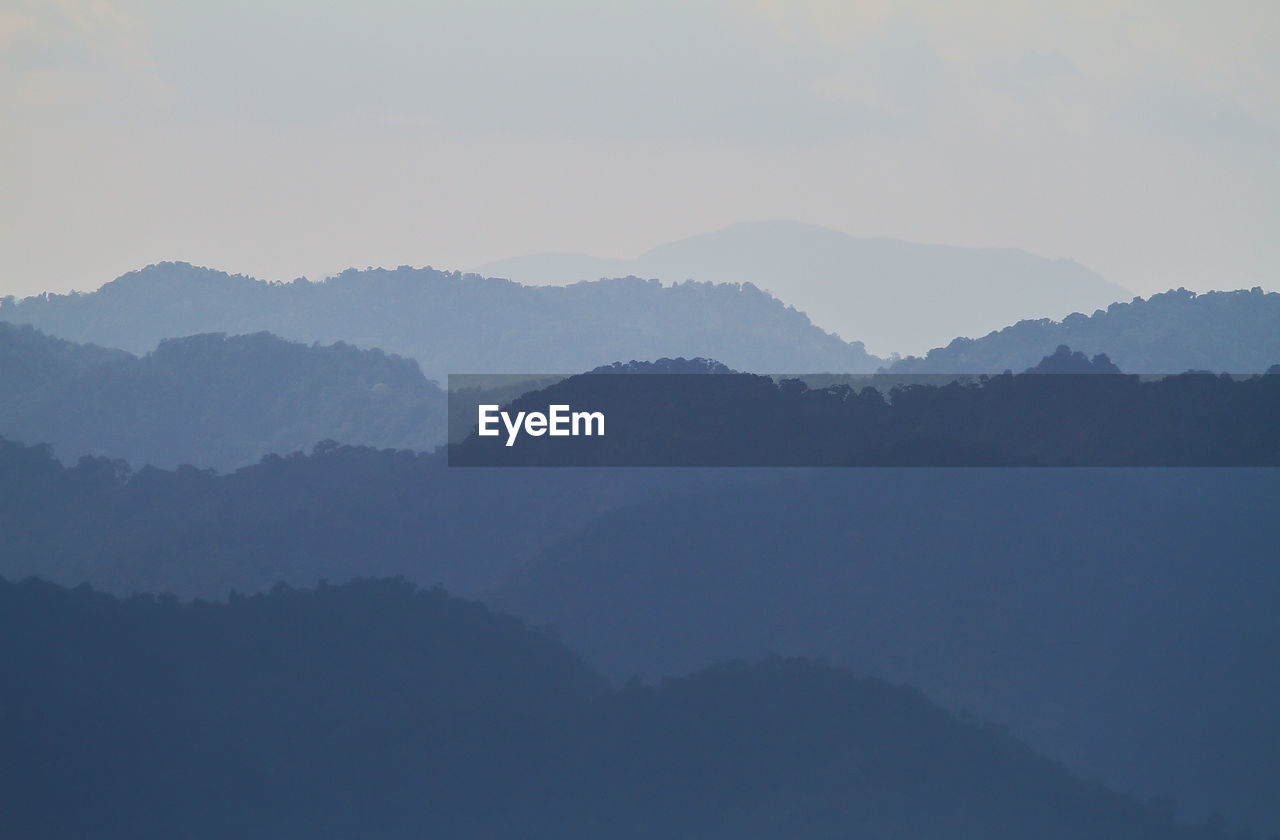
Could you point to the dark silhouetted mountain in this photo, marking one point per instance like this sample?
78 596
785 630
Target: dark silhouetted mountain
1032 419
339 513
210 400
1173 332
374 710
1064 360
1122 621
451 322
348 711
895 296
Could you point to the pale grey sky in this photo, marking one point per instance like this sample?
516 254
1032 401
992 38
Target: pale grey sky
297 138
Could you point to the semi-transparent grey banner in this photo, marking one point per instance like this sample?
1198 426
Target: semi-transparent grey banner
735 419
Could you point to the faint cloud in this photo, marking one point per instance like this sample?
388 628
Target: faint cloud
15 26
107 30
404 120
1040 66
844 87
56 86
69 52
1185 110
1034 76
1194 70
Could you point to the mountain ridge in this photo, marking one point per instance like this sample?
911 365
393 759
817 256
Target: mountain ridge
1078 607
209 399
1234 331
373 709
894 295
452 322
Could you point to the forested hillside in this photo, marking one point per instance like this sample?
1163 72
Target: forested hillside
1173 332
451 322
1120 620
210 400
372 710
1110 592
339 512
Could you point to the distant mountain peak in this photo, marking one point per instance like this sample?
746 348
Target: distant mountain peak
892 294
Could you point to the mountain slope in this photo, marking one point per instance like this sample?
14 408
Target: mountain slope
29 359
338 513
453 323
1120 620
895 296
210 400
1231 332
372 710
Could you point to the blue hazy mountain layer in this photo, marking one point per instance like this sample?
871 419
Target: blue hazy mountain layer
1173 332
210 400
451 322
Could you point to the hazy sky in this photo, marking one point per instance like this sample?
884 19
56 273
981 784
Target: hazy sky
300 137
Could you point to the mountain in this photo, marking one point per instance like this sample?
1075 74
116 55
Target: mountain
374 710
340 712
1066 361
451 322
29 359
1119 620
211 400
339 513
1231 332
894 296
1122 621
